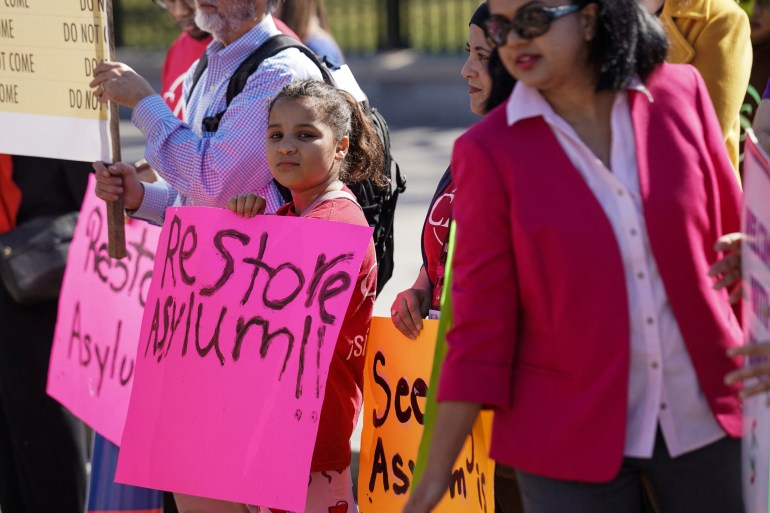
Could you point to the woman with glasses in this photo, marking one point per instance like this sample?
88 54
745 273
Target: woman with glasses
586 212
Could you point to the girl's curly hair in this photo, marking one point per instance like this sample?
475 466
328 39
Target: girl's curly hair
338 110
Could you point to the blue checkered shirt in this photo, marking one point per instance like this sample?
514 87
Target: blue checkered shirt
202 168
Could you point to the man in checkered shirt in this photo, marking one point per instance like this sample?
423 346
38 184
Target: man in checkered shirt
198 167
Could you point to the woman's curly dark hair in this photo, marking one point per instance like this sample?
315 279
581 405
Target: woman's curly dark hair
629 41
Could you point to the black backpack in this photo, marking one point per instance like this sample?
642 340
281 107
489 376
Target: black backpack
378 204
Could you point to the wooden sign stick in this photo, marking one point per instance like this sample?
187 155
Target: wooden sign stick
116 242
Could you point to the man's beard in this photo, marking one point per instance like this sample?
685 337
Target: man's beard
223 22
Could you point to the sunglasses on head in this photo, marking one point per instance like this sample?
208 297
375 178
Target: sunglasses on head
530 21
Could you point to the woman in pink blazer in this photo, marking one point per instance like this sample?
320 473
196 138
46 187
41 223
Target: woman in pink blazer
587 207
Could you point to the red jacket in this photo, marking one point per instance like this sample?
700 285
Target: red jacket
541 328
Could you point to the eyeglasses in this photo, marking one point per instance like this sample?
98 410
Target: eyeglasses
529 22
164 4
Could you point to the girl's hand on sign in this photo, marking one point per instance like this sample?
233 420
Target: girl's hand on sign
247 205
759 370
116 180
727 270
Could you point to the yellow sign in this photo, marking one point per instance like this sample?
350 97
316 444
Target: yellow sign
48 50
396 380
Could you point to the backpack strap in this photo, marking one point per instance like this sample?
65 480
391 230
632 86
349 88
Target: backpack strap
273 46
203 63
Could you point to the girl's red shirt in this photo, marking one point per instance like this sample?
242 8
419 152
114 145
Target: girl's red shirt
343 397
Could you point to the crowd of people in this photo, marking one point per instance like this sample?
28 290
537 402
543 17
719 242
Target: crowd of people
596 277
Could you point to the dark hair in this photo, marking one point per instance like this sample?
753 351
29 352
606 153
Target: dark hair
629 41
345 116
502 81
481 16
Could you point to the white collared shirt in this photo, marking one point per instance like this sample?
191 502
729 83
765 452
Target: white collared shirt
663 387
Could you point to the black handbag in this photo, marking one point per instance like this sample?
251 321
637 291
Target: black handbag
33 257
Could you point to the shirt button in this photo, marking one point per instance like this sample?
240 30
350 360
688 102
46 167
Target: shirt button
633 231
620 192
654 365
662 406
212 89
650 320
640 276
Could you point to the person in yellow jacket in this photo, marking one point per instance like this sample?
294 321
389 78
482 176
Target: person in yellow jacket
713 36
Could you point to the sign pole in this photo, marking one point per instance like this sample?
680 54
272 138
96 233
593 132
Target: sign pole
116 243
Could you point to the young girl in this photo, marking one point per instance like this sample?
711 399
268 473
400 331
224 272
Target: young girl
317 138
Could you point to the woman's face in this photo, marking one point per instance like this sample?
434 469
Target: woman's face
557 59
475 70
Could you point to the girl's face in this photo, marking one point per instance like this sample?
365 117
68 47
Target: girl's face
302 151
475 70
558 57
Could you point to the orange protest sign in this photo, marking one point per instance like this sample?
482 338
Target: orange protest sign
396 380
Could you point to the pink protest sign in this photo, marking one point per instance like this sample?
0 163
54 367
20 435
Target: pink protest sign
755 256
100 313
237 337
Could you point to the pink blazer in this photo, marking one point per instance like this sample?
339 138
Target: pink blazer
541 328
